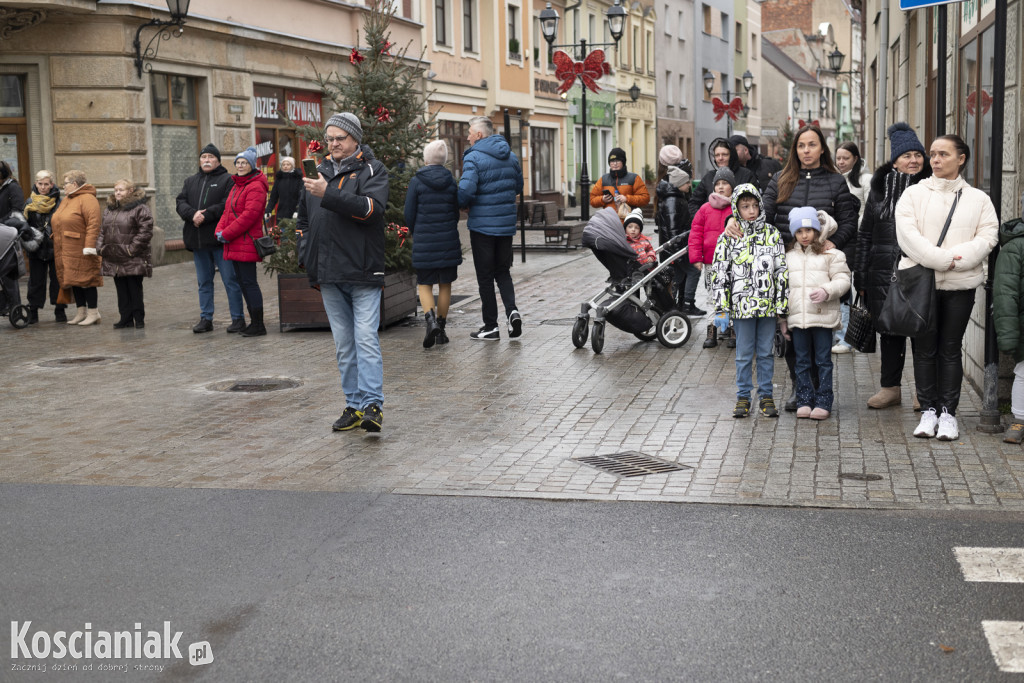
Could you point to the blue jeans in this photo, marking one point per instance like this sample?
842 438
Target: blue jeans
754 337
816 343
844 313
245 275
206 260
354 314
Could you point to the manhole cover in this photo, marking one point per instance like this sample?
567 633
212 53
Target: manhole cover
631 464
78 361
255 384
559 321
858 476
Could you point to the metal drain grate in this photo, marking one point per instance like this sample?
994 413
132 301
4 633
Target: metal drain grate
256 384
858 476
631 464
78 361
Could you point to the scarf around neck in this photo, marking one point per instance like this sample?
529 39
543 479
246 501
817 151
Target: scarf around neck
895 184
41 203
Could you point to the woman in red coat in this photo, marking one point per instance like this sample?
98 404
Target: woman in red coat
241 224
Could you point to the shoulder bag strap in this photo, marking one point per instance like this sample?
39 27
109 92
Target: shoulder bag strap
945 229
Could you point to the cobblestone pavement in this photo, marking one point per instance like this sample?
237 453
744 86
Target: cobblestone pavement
469 418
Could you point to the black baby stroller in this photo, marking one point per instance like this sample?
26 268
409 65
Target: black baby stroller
638 298
12 266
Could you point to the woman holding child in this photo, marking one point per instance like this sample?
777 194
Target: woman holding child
810 178
958 262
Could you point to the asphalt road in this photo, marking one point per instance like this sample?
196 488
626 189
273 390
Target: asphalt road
357 587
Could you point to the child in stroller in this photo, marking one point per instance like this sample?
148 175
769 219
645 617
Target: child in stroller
12 267
639 299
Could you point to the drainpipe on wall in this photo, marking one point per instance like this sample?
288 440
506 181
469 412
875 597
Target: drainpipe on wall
990 420
883 84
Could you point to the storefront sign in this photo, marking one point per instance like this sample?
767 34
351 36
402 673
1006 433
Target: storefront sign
266 104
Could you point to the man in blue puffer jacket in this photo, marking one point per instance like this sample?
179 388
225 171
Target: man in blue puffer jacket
491 178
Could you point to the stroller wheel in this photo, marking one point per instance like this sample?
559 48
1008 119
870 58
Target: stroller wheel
19 317
597 337
674 329
579 332
650 335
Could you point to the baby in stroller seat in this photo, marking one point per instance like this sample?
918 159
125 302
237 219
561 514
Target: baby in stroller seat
12 265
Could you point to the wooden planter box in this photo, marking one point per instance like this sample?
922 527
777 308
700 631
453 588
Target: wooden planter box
301 308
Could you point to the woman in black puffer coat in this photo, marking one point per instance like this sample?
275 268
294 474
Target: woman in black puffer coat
285 193
877 249
41 204
432 215
672 218
810 178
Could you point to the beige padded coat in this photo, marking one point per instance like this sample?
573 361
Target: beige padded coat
973 231
809 271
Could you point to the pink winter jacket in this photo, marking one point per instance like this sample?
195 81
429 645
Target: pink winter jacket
706 227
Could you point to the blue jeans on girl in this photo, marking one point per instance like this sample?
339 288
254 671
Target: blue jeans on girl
813 343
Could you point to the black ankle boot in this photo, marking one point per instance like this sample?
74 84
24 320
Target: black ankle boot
442 338
712 340
237 325
433 329
33 315
59 314
256 329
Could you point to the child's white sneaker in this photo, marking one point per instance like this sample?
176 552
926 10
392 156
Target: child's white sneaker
948 430
926 427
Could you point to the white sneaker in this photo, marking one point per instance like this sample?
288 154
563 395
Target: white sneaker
926 427
842 347
948 430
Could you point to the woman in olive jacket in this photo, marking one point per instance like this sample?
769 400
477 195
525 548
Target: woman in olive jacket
877 249
124 245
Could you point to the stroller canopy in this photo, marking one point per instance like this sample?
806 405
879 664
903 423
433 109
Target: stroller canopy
604 232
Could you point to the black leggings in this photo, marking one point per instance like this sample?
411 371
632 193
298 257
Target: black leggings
938 357
129 297
86 296
245 273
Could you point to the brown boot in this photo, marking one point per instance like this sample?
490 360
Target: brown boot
886 397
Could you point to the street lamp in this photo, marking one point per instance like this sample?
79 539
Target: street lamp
616 18
178 10
748 82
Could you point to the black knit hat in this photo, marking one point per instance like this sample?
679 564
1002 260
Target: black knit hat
903 139
617 154
210 149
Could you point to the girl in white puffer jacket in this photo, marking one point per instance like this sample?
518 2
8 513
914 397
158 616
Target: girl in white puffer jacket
817 279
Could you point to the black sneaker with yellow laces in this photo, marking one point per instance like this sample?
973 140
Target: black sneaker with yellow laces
373 418
350 419
742 408
767 407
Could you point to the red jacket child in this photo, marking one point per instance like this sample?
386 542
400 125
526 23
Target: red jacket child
634 225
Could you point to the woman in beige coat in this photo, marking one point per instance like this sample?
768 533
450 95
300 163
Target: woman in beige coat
959 270
76 226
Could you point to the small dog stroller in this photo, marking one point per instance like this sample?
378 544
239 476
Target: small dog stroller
639 298
12 266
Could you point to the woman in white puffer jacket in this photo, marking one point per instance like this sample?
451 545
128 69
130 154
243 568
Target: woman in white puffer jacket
818 278
959 265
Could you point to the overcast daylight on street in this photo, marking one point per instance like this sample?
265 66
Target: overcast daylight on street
511 341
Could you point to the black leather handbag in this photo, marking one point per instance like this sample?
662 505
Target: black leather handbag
265 245
909 306
860 333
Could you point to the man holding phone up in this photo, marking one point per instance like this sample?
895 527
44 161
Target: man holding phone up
342 209
619 186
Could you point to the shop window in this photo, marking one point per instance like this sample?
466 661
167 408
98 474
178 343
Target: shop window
13 128
454 133
175 143
543 157
976 78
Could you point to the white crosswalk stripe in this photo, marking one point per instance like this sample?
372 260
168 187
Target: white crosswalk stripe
998 565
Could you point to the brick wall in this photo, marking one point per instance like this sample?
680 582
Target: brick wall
782 14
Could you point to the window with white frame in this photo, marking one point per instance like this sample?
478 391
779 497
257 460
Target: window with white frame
682 26
469 42
668 24
441 22
668 89
649 50
682 91
512 13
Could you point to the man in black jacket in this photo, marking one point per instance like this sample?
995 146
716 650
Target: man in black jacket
343 212
200 205
763 168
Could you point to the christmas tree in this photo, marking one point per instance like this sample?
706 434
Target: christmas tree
785 142
382 89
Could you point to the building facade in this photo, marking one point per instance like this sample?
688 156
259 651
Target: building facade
76 99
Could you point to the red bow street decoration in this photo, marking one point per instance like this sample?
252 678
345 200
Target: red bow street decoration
733 109
590 69
972 103
802 124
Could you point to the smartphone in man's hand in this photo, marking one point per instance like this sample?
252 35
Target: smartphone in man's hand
309 168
